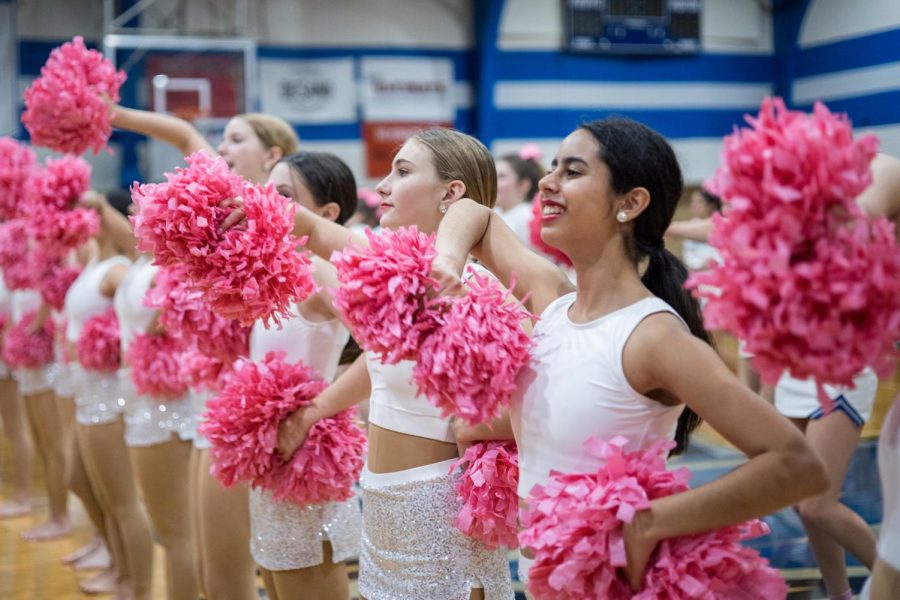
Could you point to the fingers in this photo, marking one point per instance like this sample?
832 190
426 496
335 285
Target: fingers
233 219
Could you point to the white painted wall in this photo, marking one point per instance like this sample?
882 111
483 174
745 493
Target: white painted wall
741 26
829 21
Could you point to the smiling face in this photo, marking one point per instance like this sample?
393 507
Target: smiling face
576 196
412 192
244 151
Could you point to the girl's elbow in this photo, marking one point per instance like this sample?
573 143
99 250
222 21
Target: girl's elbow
804 470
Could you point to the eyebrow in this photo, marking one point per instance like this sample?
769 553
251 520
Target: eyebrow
568 161
403 160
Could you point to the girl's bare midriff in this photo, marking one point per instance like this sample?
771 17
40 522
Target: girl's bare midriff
391 451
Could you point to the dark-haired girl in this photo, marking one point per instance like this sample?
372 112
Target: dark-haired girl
621 353
301 549
517 184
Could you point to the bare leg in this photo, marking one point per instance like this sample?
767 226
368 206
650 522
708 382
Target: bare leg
224 528
194 506
16 428
52 436
885 582
128 528
163 473
327 581
832 526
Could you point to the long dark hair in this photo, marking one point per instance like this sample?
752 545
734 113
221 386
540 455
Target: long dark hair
637 156
328 179
525 168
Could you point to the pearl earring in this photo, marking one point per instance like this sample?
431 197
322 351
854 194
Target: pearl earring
443 208
621 217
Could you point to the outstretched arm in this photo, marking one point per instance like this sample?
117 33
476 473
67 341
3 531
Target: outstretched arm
160 126
114 224
695 229
471 228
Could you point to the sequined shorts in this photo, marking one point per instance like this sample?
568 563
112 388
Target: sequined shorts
59 374
149 421
285 536
98 398
411 547
32 381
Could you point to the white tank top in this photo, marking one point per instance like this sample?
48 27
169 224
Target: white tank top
84 300
574 388
318 344
23 302
134 317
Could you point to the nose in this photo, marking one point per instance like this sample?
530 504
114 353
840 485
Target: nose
548 183
383 189
221 147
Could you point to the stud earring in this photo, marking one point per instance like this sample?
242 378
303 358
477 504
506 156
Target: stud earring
621 217
443 208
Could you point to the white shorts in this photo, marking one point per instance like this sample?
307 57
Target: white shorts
798 398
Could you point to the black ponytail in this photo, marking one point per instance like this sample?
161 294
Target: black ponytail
637 156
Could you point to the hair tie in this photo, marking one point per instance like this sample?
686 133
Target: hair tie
652 248
530 152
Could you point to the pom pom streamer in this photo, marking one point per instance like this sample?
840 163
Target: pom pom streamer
25 350
17 167
488 489
155 365
99 345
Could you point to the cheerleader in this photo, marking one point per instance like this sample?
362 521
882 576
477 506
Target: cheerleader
301 549
410 547
622 354
517 185
252 144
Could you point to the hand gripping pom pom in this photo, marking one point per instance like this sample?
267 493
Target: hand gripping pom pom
249 272
64 108
574 524
98 346
467 367
155 369
488 489
383 292
794 244
25 350
242 426
17 167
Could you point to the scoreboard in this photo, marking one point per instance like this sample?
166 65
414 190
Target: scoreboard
633 26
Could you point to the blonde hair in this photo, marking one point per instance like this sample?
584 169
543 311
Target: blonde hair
273 132
458 156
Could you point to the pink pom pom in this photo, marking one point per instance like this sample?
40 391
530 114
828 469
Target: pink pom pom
574 524
325 468
64 109
17 167
203 373
248 272
488 490
54 286
187 316
155 368
61 182
534 235
383 292
467 367
98 346
29 271
809 282
242 422
531 152
25 350
57 232
13 242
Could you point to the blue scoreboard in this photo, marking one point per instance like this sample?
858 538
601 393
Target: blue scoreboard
633 26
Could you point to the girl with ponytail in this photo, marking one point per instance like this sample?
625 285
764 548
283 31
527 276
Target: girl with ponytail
623 353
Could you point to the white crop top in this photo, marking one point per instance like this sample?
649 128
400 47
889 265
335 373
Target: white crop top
23 302
134 316
574 388
318 344
84 300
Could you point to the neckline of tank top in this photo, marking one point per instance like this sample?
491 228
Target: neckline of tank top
598 320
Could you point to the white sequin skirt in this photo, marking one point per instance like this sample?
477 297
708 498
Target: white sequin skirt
150 421
411 547
285 536
59 374
98 397
32 381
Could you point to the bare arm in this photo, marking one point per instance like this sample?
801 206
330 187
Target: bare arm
695 229
163 127
471 228
114 224
351 388
110 282
883 196
325 236
663 357
40 317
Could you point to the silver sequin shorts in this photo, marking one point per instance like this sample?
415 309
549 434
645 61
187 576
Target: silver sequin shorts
285 536
149 421
98 398
411 547
59 374
32 381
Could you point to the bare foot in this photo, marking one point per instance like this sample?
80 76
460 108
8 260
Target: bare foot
15 508
101 583
98 559
51 530
76 555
